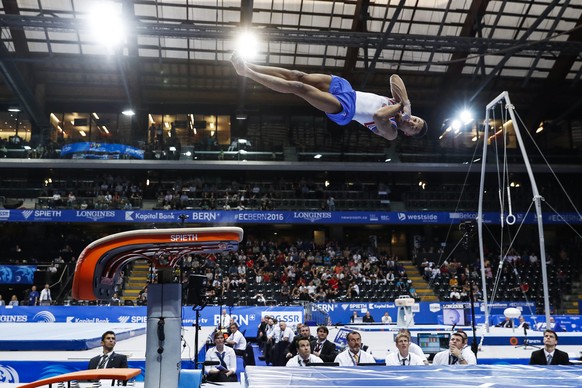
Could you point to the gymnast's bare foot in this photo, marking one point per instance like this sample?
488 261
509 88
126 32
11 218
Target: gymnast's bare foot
239 64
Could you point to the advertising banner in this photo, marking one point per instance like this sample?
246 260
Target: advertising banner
92 150
425 313
17 274
235 217
248 317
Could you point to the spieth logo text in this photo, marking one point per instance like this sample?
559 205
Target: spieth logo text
183 237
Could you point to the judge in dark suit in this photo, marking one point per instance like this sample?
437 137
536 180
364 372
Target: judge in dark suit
304 333
507 323
323 348
109 359
549 355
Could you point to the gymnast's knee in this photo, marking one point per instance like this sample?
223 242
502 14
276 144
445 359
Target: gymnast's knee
297 75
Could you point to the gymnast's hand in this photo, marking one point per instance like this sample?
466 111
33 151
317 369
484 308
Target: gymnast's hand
239 63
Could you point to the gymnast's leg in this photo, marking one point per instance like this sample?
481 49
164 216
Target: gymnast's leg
313 88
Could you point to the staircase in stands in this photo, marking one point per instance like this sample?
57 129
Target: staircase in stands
136 280
425 293
570 301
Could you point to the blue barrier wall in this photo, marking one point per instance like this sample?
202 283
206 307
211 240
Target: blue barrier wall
249 317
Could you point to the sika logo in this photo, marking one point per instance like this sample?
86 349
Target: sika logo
8 375
27 213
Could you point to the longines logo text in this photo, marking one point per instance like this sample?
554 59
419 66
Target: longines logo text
312 216
95 214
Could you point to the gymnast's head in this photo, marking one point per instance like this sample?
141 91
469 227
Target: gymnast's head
414 126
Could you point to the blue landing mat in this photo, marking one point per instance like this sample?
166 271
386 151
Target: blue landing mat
489 376
62 336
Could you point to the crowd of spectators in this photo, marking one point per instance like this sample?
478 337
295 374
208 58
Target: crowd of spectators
518 279
105 193
265 272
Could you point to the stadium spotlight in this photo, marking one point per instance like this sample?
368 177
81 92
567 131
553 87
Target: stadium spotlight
466 116
106 24
128 112
247 45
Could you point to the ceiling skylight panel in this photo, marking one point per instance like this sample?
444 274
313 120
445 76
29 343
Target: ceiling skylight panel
56 5
65 48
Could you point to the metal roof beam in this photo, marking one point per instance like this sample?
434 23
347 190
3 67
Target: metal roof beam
358 25
396 41
515 49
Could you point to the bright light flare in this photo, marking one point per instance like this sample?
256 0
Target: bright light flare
466 116
247 45
106 24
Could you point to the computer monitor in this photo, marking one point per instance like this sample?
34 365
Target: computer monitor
431 343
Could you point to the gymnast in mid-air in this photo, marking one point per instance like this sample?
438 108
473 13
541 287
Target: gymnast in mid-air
338 100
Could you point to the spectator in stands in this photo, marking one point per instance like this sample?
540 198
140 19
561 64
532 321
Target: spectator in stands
454 295
108 359
458 353
13 301
403 357
412 292
549 355
386 318
2 302
321 347
331 203
304 356
57 199
226 371
33 296
45 296
355 318
115 301
354 355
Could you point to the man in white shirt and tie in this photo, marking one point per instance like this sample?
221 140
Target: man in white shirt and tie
108 359
403 357
458 353
549 355
354 355
237 340
304 356
226 370
45 296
